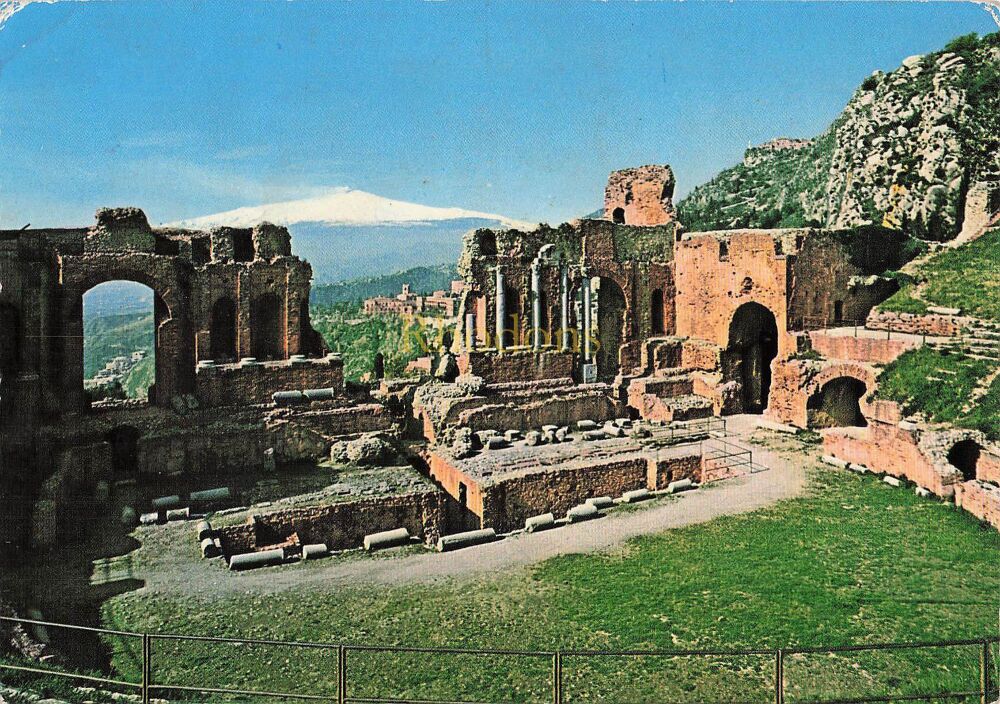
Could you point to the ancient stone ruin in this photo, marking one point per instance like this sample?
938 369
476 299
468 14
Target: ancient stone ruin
588 358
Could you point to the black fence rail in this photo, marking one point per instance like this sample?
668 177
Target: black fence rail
353 673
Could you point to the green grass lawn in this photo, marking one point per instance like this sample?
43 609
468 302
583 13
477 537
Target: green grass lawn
967 277
939 385
854 561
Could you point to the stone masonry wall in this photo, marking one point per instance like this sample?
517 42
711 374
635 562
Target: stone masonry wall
930 324
860 349
240 384
517 365
981 499
339 526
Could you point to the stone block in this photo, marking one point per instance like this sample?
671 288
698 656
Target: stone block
586 424
386 539
315 551
834 461
537 523
892 481
252 560
456 541
583 512
631 497
601 502
680 485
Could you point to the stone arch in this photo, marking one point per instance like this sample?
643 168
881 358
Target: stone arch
753 345
267 329
837 403
964 456
656 311
609 325
618 215
222 330
174 345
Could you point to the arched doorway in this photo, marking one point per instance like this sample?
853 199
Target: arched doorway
837 404
266 328
964 456
618 216
121 320
656 311
610 322
753 344
222 333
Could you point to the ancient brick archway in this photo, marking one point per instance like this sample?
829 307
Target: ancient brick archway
174 345
837 403
753 344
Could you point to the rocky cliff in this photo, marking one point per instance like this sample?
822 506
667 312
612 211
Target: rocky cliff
904 153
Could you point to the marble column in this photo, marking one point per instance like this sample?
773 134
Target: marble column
587 317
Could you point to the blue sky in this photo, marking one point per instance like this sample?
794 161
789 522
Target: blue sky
518 108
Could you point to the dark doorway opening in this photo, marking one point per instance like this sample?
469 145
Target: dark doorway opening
964 456
10 352
618 216
512 318
124 441
223 330
266 329
837 404
753 344
243 246
838 311
610 326
656 311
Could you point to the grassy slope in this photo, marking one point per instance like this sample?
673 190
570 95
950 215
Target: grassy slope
967 277
939 385
855 561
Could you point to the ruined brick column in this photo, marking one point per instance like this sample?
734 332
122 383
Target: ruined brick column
470 332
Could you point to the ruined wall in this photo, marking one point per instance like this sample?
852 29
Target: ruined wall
518 365
640 196
341 525
795 381
239 384
869 350
980 499
717 273
912 323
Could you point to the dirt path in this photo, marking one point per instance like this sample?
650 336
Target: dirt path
784 478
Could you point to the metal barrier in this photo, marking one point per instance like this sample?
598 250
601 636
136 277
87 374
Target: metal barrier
676 433
554 662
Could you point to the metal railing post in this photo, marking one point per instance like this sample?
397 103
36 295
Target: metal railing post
779 677
557 691
341 674
984 673
147 666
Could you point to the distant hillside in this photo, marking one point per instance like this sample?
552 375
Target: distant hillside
109 336
422 279
902 154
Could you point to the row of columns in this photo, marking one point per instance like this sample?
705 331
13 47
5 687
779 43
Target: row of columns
500 310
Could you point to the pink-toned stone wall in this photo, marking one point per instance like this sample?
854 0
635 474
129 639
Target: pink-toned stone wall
860 349
981 499
712 285
912 323
644 194
517 365
794 381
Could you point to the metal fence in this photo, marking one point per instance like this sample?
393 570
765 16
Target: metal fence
778 685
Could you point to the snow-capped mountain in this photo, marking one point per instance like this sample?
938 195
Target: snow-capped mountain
342 206
346 234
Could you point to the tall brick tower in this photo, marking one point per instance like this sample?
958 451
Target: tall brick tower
640 196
